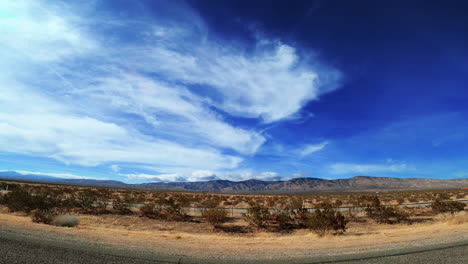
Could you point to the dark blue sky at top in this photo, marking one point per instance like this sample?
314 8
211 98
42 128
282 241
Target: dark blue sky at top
399 109
400 58
403 61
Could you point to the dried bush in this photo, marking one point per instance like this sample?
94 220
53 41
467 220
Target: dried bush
215 216
337 203
452 207
326 220
209 203
122 206
459 218
66 220
325 205
172 211
257 216
85 202
43 216
182 200
383 214
166 209
20 200
284 218
301 216
442 196
151 211
400 201
294 203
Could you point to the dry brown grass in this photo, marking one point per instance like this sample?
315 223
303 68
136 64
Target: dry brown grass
234 237
198 238
243 200
460 218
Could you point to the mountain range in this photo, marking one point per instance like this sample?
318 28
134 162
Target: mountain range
296 185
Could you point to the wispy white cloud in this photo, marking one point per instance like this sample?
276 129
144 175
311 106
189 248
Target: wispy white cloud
39 126
42 31
271 84
199 175
154 178
115 167
344 168
205 175
172 110
71 94
57 175
311 148
268 176
248 175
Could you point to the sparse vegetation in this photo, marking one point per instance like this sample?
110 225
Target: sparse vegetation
163 209
324 221
284 218
20 200
384 214
66 220
151 211
452 207
257 216
215 216
122 206
269 213
43 216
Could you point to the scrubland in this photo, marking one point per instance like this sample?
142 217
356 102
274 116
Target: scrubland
270 222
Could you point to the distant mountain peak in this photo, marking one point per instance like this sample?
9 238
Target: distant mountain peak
295 185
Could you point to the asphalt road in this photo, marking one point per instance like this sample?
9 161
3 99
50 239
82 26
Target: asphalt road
21 248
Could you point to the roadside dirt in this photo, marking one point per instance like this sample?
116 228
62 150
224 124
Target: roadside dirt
196 239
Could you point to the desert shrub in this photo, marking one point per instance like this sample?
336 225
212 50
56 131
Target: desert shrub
363 200
326 220
66 220
68 203
215 216
17 200
172 211
257 216
400 201
294 203
228 203
85 202
284 219
90 202
44 202
122 206
459 218
166 209
337 203
100 207
325 205
43 216
442 196
20 200
301 216
271 201
383 214
150 211
452 207
182 200
209 203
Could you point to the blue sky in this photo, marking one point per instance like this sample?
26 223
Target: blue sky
142 91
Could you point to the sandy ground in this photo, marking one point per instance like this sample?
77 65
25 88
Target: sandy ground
196 239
